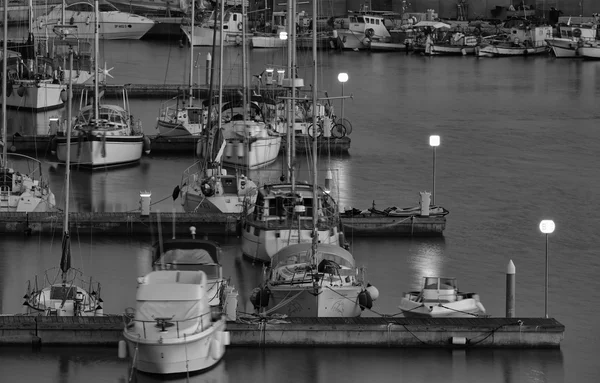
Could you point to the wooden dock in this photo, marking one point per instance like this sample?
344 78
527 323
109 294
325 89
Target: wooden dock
308 332
40 145
135 224
200 91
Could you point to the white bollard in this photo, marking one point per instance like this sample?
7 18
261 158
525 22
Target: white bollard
122 349
145 202
425 201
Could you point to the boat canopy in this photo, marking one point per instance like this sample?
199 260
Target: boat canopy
176 285
301 253
197 251
432 24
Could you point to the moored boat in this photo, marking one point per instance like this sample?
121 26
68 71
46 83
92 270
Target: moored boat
523 41
440 297
572 36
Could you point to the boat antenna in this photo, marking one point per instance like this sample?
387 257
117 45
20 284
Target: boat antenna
65 261
4 85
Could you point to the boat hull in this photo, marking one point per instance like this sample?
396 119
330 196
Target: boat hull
195 352
204 37
176 129
499 51
563 47
352 40
466 308
302 301
589 52
261 244
267 42
96 151
389 47
258 154
455 50
29 95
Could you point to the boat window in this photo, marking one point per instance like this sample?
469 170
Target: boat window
194 116
5 180
447 284
80 7
360 19
63 292
377 22
229 185
431 283
353 19
107 7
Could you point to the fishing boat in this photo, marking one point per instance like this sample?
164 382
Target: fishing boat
193 254
112 24
175 117
173 328
524 40
106 135
571 37
23 186
363 29
440 297
205 33
454 44
64 290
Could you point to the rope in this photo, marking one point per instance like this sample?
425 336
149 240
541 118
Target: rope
284 302
134 359
459 311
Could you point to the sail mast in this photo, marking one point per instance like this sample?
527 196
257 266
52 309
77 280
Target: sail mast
65 261
289 102
245 99
191 95
5 86
221 67
314 122
96 53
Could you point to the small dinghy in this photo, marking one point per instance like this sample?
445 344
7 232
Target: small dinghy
440 297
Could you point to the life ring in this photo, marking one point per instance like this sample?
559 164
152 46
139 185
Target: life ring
576 32
370 32
208 188
240 26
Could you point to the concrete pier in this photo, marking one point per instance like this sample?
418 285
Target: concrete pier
134 223
311 332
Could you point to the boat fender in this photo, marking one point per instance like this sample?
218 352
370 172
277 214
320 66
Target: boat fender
480 307
176 192
240 26
200 149
373 292
370 32
260 297
577 32
21 91
365 300
215 349
208 187
147 145
53 145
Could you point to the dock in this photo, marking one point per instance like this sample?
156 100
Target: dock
308 332
219 224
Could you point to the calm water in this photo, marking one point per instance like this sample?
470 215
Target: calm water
519 143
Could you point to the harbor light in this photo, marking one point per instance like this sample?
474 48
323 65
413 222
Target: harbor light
434 142
547 227
280 76
343 78
283 35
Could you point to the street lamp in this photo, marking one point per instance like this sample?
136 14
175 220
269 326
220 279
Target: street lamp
342 77
283 35
547 227
434 141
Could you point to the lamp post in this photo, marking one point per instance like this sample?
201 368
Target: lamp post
547 227
342 77
434 141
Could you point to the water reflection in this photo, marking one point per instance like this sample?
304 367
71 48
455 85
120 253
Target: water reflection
217 374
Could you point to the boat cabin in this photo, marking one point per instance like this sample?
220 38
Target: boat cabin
232 21
534 36
439 289
370 25
585 32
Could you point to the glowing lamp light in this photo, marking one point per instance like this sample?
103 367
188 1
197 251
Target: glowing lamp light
547 226
283 35
434 140
343 77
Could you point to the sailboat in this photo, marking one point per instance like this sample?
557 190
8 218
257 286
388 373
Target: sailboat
206 187
314 279
251 140
175 118
106 135
32 80
20 191
64 292
282 214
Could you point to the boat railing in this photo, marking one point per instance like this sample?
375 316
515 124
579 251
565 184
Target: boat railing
163 324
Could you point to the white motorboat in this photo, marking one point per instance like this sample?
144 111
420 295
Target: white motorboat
523 41
193 254
313 280
112 23
571 37
363 28
440 297
105 135
173 329
204 33
64 291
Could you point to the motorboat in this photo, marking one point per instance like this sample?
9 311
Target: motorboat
440 297
173 328
23 186
313 280
105 135
193 254
80 14
454 44
571 37
203 33
363 29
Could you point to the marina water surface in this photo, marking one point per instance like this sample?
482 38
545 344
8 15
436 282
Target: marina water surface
519 143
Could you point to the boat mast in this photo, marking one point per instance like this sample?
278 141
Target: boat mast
315 239
4 85
292 142
65 263
221 38
96 53
289 102
245 99
191 95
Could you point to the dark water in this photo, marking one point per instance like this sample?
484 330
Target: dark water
519 142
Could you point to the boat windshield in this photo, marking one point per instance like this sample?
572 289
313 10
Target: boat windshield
431 283
178 310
